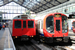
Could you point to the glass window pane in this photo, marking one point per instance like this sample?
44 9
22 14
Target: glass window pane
17 24
30 24
15 11
58 25
15 0
1 2
24 24
49 24
64 24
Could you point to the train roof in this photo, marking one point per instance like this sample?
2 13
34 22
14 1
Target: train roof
55 13
44 16
24 17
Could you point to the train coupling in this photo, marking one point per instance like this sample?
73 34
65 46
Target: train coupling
24 37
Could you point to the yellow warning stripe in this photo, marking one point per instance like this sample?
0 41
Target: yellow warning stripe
8 41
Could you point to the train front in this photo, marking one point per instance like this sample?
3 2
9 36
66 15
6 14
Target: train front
23 28
55 28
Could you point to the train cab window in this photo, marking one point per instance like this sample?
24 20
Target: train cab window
49 24
17 24
57 25
24 24
64 24
30 24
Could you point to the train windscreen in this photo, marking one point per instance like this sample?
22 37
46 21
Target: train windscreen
30 24
49 24
64 24
17 24
24 24
57 25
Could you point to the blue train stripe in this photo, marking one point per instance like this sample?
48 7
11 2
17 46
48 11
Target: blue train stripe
41 34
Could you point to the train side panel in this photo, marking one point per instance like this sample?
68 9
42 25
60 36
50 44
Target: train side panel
10 26
39 27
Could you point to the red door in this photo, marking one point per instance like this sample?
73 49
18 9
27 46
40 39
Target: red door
30 27
24 28
17 27
58 27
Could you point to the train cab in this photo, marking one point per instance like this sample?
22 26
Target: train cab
23 27
53 27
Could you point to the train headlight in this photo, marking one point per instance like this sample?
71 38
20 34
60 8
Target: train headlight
64 31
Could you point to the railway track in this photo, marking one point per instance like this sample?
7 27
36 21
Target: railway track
51 47
29 45
72 39
25 45
58 47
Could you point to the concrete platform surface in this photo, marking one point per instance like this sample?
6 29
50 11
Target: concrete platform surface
6 42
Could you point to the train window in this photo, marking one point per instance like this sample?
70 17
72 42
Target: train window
24 24
49 24
30 24
17 24
64 24
57 25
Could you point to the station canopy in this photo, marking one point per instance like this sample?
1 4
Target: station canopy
35 5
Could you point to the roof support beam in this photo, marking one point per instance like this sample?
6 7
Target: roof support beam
23 6
36 5
58 1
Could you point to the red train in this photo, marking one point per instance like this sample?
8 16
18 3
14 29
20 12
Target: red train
22 27
73 26
53 28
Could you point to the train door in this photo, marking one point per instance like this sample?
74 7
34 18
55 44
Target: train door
58 24
24 28
31 27
17 27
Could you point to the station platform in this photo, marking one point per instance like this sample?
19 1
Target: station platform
6 42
